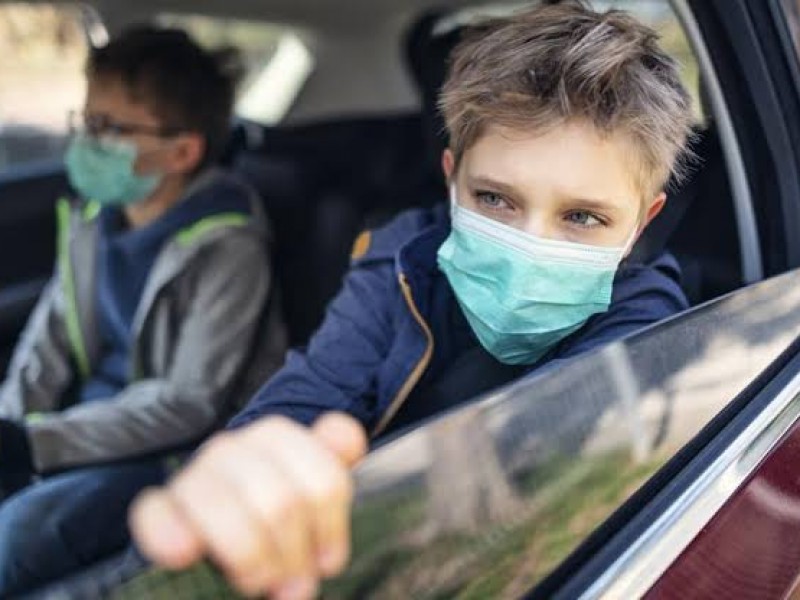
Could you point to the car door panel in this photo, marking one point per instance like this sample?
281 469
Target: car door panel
749 549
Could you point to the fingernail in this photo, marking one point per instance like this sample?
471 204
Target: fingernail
330 561
297 589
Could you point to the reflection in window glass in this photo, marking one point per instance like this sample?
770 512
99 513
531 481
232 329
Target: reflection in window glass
42 54
276 61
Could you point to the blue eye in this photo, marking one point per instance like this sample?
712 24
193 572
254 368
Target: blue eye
491 201
583 218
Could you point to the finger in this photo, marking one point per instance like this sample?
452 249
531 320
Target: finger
214 508
324 487
346 438
298 589
342 435
278 512
161 532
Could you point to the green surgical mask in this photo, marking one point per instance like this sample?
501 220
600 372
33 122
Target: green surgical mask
520 293
102 170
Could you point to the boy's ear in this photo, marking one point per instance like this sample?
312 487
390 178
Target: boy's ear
448 164
655 207
186 153
652 211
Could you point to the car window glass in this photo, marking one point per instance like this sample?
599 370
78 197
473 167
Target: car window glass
42 54
487 501
276 61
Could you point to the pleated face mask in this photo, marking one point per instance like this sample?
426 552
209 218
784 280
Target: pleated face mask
520 293
103 171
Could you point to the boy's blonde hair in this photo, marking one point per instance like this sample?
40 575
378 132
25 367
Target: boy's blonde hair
556 63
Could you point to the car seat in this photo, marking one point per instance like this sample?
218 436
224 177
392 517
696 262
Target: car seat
323 183
698 223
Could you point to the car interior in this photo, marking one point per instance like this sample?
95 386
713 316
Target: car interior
345 158
324 182
324 176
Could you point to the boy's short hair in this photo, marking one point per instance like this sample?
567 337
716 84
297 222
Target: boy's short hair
186 87
554 63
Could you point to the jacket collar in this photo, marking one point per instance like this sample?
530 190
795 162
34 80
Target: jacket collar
417 257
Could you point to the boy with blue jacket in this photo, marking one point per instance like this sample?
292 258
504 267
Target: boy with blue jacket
565 126
141 338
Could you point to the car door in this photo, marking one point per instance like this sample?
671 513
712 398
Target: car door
42 52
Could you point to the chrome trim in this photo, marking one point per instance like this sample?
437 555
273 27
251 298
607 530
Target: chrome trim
752 265
635 572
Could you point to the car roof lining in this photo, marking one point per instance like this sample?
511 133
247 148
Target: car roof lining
316 14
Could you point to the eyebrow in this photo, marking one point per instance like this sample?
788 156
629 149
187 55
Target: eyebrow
588 203
602 205
491 183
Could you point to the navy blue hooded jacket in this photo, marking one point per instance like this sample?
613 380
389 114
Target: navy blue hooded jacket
396 325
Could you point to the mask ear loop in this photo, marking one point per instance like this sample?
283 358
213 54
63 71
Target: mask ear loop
633 237
631 241
453 200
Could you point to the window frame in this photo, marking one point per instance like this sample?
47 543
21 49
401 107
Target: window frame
749 240
750 61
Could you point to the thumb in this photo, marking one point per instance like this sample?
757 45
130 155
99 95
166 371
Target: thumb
342 435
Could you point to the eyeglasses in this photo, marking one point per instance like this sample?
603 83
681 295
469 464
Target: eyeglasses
98 125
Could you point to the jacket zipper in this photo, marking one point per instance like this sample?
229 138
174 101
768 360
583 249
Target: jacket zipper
420 367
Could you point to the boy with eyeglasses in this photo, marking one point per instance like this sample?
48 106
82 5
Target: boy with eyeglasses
565 125
141 338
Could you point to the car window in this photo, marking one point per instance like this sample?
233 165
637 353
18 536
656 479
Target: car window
276 61
42 54
487 501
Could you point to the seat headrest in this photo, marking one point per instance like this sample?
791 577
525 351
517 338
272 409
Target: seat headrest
680 197
427 56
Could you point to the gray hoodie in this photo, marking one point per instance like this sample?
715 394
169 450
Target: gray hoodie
202 336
